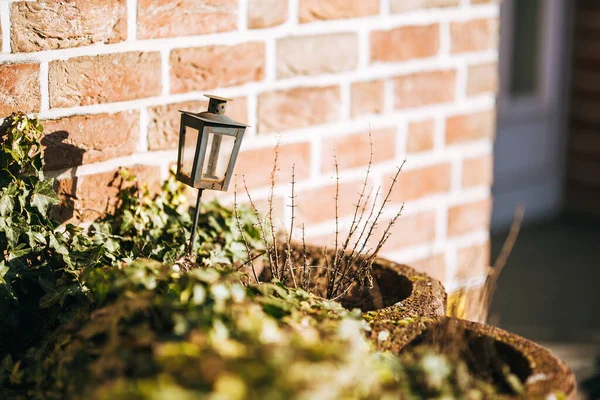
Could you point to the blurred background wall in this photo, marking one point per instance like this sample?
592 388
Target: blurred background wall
108 76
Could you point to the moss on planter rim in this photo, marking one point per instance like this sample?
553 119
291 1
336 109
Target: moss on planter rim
405 319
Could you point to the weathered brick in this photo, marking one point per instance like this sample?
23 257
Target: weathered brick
317 10
19 88
318 205
482 78
420 136
89 197
405 43
163 125
424 88
420 182
256 165
167 18
47 25
297 108
478 171
399 6
266 13
211 67
475 35
434 266
465 218
467 127
354 151
409 230
106 78
366 98
473 261
316 54
85 139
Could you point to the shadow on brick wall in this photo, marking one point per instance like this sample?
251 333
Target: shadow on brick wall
60 154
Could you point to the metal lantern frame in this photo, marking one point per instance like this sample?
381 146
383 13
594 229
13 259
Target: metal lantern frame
211 121
205 126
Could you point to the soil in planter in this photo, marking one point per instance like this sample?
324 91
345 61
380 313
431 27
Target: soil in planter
389 288
487 358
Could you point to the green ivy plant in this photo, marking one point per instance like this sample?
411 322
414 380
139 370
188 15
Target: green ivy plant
41 260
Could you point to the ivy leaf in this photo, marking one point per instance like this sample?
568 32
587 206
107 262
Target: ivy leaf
19 251
44 196
58 245
7 203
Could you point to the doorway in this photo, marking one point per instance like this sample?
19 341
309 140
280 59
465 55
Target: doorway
530 147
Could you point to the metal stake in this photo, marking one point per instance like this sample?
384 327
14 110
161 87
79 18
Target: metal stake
195 225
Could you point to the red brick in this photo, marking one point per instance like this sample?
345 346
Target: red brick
354 151
318 205
256 165
89 197
475 35
85 139
106 78
473 261
465 218
420 182
367 98
266 13
163 125
434 266
167 18
482 78
468 127
399 6
316 10
19 88
409 230
405 43
424 88
420 136
297 108
316 54
478 171
48 25
210 67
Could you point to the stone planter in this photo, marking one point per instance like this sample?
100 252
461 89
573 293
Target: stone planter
486 348
401 302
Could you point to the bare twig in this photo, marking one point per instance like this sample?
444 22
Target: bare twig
279 271
306 270
288 260
263 233
239 224
492 278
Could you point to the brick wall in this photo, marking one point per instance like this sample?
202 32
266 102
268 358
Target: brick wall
583 178
107 77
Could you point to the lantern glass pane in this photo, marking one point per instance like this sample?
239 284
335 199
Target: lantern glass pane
216 159
191 136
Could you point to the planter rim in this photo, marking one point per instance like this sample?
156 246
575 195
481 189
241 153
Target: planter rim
549 374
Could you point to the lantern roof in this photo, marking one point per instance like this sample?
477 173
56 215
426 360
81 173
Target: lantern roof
215 113
214 118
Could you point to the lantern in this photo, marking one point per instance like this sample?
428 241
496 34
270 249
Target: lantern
209 143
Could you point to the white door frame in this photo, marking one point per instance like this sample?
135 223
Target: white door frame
525 172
